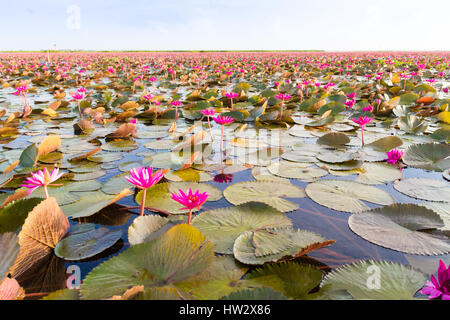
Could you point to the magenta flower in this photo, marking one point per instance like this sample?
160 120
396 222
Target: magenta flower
190 200
111 70
20 90
77 96
368 108
223 120
350 103
208 112
441 287
351 95
144 178
231 96
41 178
133 121
362 121
148 97
283 96
176 104
82 90
394 156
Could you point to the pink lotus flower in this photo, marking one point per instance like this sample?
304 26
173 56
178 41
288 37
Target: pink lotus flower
190 200
111 70
144 178
208 112
283 96
41 178
362 121
394 156
148 97
231 95
441 287
134 121
77 96
82 90
20 90
152 79
223 178
222 120
176 103
351 95
350 103
368 108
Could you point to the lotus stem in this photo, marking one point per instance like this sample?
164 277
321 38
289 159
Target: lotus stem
190 216
210 130
144 193
45 191
221 144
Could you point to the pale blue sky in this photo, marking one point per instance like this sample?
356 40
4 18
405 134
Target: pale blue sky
342 25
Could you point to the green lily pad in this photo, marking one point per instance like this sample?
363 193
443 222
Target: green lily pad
425 189
334 139
13 215
295 280
400 227
268 192
223 226
296 171
301 242
347 196
116 184
397 282
428 156
222 278
378 173
86 243
180 253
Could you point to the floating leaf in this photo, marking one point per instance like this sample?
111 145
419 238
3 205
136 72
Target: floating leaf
260 294
428 156
425 189
223 226
180 253
303 242
401 227
397 282
346 196
9 249
86 243
268 192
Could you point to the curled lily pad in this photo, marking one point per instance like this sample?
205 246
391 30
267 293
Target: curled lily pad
86 243
402 227
428 156
300 243
342 195
425 189
178 254
223 226
396 281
